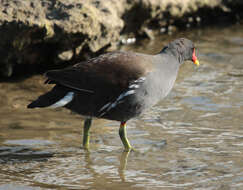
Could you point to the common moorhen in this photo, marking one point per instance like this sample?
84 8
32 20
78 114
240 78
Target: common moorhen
117 85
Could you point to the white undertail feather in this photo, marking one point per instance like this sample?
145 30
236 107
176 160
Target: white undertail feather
64 101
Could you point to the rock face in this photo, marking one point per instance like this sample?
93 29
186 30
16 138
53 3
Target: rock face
44 34
48 33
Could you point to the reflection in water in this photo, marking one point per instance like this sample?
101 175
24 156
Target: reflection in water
191 140
121 169
123 164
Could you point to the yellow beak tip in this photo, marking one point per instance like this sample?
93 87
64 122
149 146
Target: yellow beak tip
196 63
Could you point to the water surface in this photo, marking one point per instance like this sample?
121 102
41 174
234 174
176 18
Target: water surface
191 140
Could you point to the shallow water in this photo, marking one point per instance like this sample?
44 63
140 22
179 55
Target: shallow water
191 140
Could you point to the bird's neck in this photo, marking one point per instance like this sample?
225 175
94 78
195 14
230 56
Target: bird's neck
174 53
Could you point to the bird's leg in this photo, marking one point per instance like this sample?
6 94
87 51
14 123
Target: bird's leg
87 125
123 136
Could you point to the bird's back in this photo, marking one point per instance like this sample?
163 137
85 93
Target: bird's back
104 86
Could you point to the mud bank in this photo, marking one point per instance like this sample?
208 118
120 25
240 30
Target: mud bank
45 34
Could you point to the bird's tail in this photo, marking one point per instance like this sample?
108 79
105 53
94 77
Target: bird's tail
59 96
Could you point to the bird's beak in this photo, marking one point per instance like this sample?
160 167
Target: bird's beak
196 62
194 58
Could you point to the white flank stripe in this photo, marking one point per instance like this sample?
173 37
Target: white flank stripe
141 79
64 101
120 97
105 106
110 105
134 86
129 92
125 94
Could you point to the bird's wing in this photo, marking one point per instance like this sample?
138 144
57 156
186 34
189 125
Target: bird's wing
109 71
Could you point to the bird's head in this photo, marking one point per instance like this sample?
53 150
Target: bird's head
183 49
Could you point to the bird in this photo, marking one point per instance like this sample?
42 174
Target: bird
117 85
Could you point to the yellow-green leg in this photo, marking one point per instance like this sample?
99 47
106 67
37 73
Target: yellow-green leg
87 125
123 136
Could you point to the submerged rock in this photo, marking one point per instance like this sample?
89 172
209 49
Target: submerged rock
45 34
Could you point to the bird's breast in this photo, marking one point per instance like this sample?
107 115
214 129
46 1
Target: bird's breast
156 87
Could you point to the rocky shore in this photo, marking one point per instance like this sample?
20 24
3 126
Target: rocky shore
48 34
